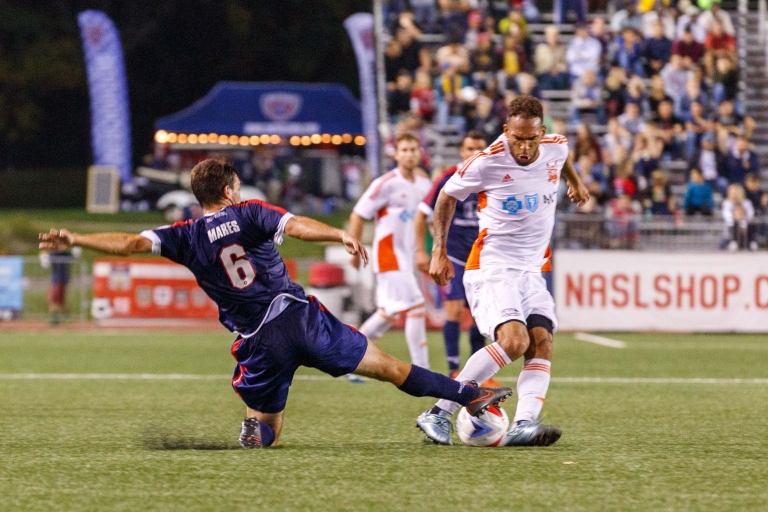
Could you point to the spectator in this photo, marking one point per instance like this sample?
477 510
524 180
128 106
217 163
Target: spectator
635 93
757 197
414 55
599 31
666 17
586 97
550 64
622 223
695 127
628 17
659 200
725 81
657 94
560 10
584 52
731 124
615 137
646 157
615 91
693 94
400 99
657 51
668 128
716 14
631 120
628 52
425 14
59 263
586 144
688 48
515 18
698 195
475 22
675 77
738 211
689 20
454 14
511 59
740 161
482 61
526 85
454 53
393 58
624 181
710 161
423 97
483 119
718 44
447 87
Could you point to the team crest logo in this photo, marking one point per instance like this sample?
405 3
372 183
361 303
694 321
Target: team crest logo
552 171
512 205
280 106
532 202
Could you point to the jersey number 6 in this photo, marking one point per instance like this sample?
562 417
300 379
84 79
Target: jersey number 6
239 269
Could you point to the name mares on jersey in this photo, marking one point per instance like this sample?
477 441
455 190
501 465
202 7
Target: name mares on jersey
233 257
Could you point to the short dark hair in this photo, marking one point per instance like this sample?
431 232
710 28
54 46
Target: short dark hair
209 178
526 107
474 135
406 136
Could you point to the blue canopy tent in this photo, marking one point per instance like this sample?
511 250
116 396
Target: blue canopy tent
271 108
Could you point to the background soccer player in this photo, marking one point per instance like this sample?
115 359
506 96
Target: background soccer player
464 229
392 200
231 251
516 179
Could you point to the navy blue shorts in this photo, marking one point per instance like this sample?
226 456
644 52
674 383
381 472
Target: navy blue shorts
305 334
454 290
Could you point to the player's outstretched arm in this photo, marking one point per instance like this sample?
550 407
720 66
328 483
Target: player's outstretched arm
577 191
123 244
441 268
311 230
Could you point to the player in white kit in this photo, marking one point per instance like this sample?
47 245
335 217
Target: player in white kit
392 200
516 179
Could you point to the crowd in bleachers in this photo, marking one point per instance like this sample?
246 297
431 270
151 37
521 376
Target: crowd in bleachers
652 87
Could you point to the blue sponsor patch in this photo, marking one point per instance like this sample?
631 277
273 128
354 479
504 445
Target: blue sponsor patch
532 202
407 215
512 205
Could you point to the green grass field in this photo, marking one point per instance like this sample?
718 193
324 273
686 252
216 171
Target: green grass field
130 444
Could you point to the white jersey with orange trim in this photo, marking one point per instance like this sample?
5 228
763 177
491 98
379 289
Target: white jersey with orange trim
516 203
392 201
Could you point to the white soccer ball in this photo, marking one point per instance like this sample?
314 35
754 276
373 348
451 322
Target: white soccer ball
485 429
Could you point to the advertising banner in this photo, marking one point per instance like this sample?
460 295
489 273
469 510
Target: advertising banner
110 119
147 288
676 292
11 289
360 29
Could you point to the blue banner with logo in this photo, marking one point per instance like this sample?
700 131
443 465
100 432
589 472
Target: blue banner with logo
11 273
110 118
360 29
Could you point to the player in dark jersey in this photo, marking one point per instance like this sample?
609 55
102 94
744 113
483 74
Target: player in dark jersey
231 251
462 235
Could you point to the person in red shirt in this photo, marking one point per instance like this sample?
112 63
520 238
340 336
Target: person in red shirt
718 44
688 48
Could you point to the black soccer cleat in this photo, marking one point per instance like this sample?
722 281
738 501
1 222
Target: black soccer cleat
250 433
486 398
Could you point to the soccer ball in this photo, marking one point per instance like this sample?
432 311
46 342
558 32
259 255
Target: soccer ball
485 429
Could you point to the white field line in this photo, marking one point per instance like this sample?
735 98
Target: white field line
599 340
192 376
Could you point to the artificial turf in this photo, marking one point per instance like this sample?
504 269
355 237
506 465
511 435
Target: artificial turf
133 444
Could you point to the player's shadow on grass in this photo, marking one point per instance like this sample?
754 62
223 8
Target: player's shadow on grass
154 438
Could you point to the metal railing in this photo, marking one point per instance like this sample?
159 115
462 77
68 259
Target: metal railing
762 13
638 232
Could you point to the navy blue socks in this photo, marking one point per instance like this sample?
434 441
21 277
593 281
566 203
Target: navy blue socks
451 333
476 340
421 382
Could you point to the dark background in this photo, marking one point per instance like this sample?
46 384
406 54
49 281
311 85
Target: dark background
175 51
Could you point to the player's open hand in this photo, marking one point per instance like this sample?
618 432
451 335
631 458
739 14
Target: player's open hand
422 261
441 268
356 248
56 240
578 194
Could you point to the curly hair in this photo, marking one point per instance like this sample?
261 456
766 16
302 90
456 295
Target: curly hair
526 107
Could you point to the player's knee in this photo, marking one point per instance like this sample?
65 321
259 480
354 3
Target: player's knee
513 338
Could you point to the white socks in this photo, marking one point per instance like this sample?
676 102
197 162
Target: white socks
532 385
480 367
416 336
375 326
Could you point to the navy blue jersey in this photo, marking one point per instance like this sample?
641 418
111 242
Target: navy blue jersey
464 226
233 257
